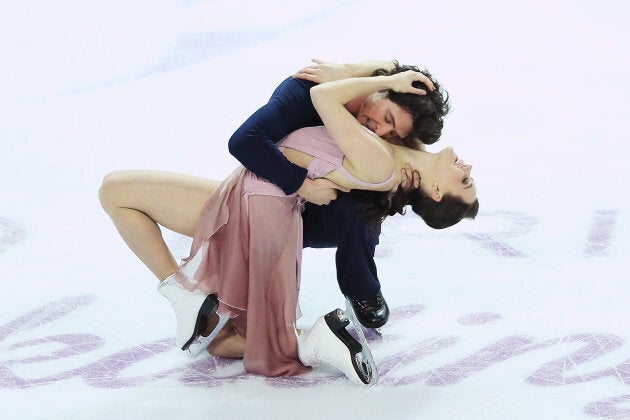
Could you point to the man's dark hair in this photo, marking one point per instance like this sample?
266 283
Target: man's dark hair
427 111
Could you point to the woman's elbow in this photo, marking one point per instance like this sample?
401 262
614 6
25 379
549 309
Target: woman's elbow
317 92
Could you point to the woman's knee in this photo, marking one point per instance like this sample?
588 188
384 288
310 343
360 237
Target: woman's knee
112 188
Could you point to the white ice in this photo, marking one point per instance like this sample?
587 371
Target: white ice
520 314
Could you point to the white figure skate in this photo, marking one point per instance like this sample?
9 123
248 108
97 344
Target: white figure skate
192 311
329 342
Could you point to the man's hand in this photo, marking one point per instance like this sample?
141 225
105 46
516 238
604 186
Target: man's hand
323 71
320 191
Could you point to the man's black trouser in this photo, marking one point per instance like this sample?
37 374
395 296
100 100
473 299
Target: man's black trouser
338 225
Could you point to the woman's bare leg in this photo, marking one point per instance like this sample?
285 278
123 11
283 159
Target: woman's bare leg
138 202
228 343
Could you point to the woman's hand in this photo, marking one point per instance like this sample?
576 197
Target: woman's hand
323 71
402 82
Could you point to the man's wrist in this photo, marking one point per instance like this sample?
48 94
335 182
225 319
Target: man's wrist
304 187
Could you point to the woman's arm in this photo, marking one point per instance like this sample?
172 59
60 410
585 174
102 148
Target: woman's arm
367 157
325 71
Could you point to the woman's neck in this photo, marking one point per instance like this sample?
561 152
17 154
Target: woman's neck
419 160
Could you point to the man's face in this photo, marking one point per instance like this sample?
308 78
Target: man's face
384 118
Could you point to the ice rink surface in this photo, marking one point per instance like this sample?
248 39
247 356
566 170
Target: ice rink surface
520 314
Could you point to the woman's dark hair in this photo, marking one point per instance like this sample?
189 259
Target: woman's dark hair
427 111
376 205
444 213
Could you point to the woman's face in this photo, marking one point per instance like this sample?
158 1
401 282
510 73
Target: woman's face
452 176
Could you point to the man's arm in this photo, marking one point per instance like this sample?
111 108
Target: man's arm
253 144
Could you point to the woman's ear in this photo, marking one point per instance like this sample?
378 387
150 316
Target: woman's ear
436 194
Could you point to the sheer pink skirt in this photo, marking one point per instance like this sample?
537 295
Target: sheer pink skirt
249 235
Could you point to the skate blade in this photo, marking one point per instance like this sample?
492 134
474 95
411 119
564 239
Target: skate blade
366 354
361 371
201 343
377 333
208 308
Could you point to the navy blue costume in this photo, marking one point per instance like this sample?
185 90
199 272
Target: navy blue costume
334 225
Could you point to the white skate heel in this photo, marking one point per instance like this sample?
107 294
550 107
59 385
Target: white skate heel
192 310
329 342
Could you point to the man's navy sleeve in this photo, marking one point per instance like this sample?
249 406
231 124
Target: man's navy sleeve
253 144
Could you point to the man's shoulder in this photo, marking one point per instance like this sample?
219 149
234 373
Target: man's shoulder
293 86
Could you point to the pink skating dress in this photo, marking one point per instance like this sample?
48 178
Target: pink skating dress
249 235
